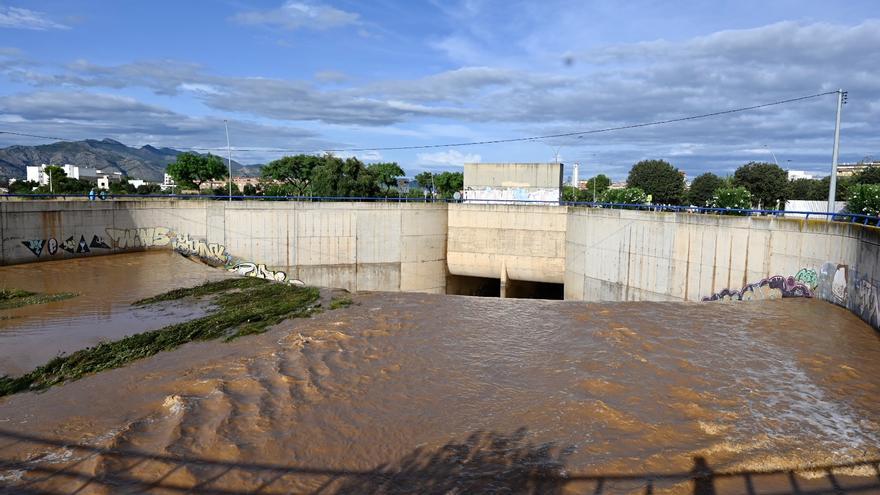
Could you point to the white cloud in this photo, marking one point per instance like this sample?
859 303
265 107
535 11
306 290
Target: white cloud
294 15
449 157
19 18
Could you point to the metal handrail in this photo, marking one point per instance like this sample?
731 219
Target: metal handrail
841 216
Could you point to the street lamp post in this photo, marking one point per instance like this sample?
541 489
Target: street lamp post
832 186
773 155
228 157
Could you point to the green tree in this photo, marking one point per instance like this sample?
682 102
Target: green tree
703 189
870 175
767 183
570 193
293 170
595 185
122 187
386 175
803 189
448 183
629 195
224 191
145 189
864 199
192 169
841 190
732 197
23 187
659 179
250 190
424 179
343 178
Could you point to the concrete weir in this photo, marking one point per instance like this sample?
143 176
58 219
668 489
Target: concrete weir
598 254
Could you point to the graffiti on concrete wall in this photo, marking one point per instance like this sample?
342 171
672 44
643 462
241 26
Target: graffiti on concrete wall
35 246
142 237
808 277
848 287
774 287
212 253
249 269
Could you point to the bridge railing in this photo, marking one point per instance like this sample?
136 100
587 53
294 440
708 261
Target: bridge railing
837 217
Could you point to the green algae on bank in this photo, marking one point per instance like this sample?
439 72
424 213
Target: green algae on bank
16 298
240 306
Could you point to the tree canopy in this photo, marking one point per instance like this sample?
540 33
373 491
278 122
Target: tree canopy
870 175
193 170
767 183
598 185
448 183
348 177
703 189
424 179
659 179
386 174
296 171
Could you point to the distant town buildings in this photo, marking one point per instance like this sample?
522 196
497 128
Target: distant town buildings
850 169
38 174
799 174
240 182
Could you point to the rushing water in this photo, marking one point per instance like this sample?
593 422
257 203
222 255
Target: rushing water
107 285
451 394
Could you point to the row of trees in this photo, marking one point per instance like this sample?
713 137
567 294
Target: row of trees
310 175
753 185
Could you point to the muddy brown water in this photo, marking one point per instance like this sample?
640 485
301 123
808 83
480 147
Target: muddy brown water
107 285
416 393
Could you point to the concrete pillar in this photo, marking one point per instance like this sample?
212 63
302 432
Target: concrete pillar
503 278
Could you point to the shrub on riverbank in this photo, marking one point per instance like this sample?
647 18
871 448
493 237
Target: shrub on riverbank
242 306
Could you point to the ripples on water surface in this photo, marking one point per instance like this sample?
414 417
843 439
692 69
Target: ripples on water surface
446 389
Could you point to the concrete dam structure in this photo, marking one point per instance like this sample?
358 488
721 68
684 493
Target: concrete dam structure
589 254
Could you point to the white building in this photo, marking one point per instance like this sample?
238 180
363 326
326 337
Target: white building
799 174
167 182
38 173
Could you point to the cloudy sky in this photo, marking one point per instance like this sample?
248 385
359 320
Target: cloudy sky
308 76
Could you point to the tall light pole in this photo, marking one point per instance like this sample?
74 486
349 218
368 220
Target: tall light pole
832 186
772 154
228 157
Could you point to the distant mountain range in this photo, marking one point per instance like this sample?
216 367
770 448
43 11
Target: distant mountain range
146 162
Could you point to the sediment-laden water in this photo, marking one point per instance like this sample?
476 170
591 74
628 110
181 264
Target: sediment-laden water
414 393
106 287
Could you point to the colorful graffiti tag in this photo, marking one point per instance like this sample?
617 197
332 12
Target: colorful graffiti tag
774 287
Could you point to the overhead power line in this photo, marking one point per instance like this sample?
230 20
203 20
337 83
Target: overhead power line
491 141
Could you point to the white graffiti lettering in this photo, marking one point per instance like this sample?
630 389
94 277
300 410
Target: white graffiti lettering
133 238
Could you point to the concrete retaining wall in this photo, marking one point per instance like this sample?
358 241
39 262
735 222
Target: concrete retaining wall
637 255
599 254
356 246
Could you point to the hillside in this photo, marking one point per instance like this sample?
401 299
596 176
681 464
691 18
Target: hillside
146 162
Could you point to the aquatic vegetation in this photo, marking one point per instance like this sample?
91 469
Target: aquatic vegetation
241 306
16 298
340 302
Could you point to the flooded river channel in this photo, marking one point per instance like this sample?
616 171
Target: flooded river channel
416 393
